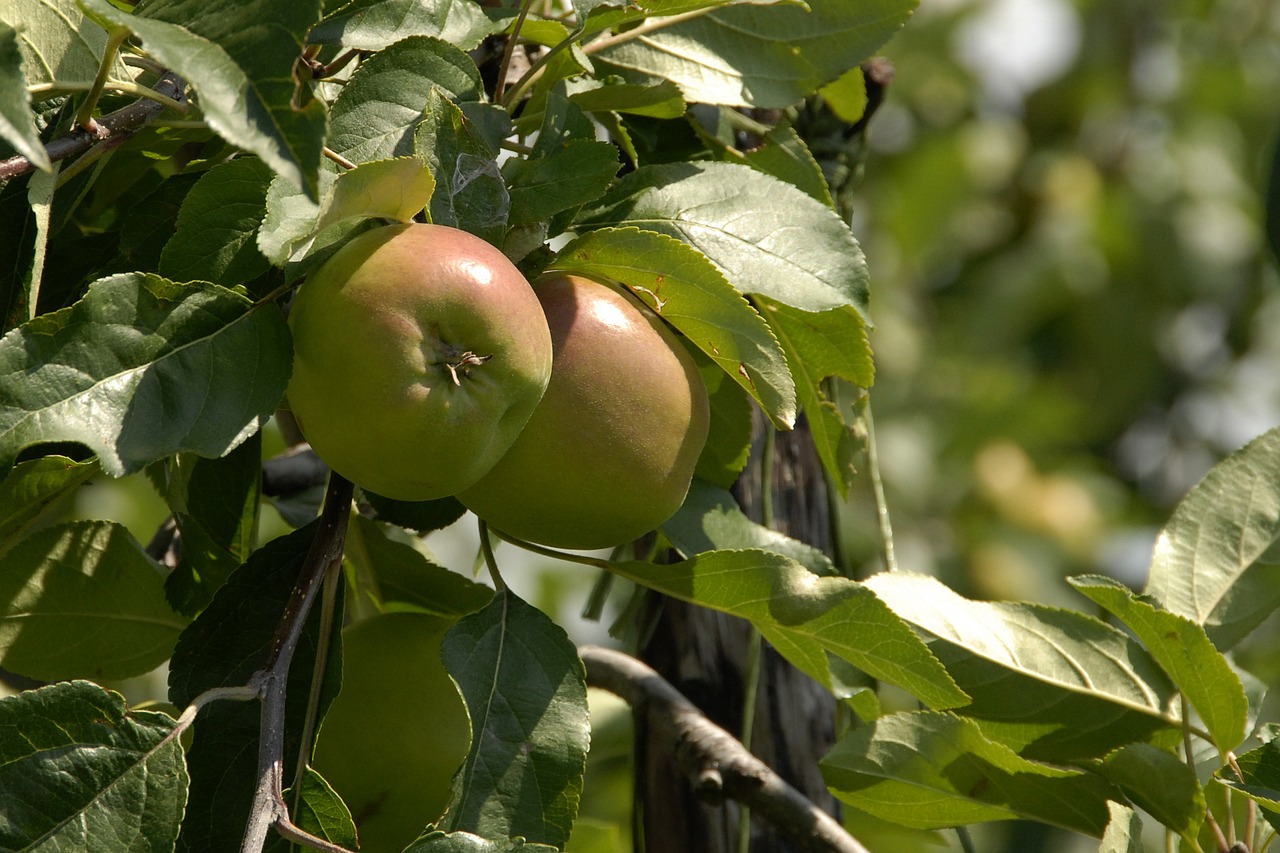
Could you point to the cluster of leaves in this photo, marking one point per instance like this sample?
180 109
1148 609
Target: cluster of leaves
307 129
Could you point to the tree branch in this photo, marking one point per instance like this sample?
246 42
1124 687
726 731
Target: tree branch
717 763
324 556
113 128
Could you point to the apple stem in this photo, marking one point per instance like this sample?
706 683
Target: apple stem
467 359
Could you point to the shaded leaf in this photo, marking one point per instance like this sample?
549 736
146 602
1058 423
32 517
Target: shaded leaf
223 647
1184 651
1159 783
142 368
1052 684
728 446
215 235
33 488
83 600
17 123
805 616
80 771
374 24
710 519
761 56
568 177
767 236
401 575
471 193
930 770
240 57
420 516
660 100
1261 782
526 693
680 285
464 842
821 345
784 155
316 808
216 504
1206 563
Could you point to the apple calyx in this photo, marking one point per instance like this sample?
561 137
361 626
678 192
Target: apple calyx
466 360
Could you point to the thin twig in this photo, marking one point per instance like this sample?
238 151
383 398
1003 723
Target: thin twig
713 758
877 486
323 557
120 124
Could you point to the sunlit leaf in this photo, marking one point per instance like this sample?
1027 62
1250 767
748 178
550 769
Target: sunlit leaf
57 41
1184 651
466 842
1053 684
761 56
34 488
930 770
1207 563
1124 831
17 123
375 24
805 616
767 236
685 289
142 368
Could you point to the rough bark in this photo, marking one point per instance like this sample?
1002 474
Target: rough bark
703 654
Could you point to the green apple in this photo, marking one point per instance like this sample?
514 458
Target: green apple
609 452
420 352
397 731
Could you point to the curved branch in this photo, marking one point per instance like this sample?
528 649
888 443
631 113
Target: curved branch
717 762
113 128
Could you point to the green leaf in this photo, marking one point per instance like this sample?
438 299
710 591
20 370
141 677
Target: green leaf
382 189
317 808
420 516
661 100
728 446
525 691
1124 831
1207 563
401 575
761 56
846 96
379 109
819 346
83 600
57 42
33 489
375 24
240 56
785 156
805 616
471 193
572 175
711 520
930 770
215 235
17 123
1261 782
80 771
767 236
680 285
216 503
142 368
464 842
1159 783
223 647
1053 684
1184 651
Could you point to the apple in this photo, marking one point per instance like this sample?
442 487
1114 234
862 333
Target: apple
396 732
420 352
609 452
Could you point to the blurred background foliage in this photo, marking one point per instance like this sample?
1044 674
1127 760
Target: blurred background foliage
1063 209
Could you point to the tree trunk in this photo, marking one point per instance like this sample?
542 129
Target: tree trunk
704 654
